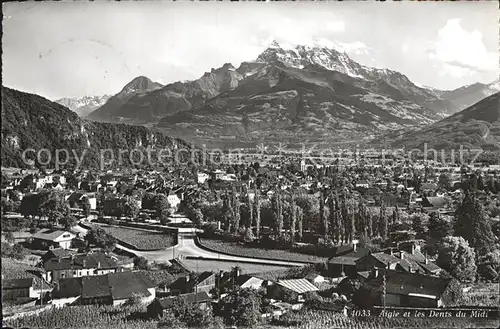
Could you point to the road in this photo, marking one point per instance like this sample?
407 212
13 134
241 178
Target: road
187 247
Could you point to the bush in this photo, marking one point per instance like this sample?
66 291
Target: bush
183 313
135 300
141 263
16 251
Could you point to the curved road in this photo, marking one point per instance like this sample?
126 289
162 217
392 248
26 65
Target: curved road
187 247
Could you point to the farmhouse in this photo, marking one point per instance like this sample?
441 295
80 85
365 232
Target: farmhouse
294 288
378 260
344 261
67 292
110 289
75 266
408 289
158 306
204 281
49 238
57 253
19 289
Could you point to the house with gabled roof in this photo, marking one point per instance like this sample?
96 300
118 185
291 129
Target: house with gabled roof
48 238
411 262
110 289
159 305
343 263
57 253
434 203
377 260
19 289
80 265
403 289
292 290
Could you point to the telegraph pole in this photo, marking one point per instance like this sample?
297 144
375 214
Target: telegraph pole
385 285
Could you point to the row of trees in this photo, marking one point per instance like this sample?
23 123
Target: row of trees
336 218
52 205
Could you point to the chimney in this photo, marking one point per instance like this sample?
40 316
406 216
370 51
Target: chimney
402 254
375 272
99 264
413 249
354 244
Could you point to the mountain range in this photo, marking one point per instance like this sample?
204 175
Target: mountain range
288 95
85 105
466 96
475 127
31 121
116 108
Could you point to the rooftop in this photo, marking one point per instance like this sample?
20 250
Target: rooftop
298 285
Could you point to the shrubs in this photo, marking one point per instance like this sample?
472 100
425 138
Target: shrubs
242 307
16 251
185 314
135 300
141 263
100 238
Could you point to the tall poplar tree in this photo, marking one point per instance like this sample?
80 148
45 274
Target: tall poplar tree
383 221
250 210
293 217
257 213
322 218
300 220
472 224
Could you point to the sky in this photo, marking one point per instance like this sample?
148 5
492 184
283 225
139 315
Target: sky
73 49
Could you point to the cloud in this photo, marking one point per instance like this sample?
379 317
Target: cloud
356 47
462 52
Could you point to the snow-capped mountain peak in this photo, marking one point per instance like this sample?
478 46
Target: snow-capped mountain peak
83 105
299 56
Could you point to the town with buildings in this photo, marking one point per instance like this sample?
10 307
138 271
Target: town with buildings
251 243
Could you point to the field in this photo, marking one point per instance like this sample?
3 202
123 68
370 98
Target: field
482 294
312 319
80 317
240 250
100 317
141 239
